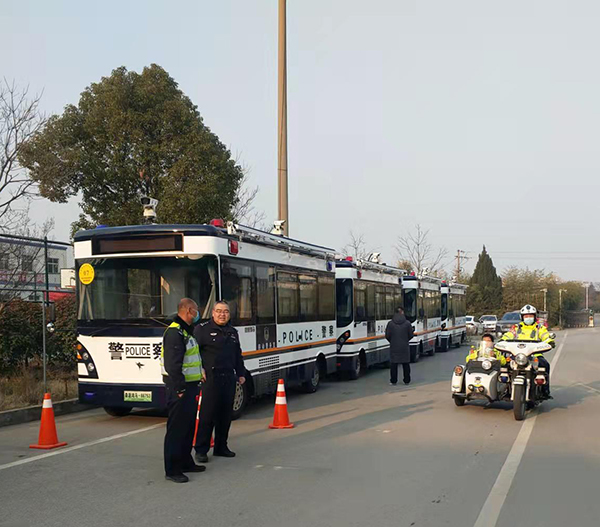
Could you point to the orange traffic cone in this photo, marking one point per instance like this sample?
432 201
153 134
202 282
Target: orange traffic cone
281 419
48 438
212 439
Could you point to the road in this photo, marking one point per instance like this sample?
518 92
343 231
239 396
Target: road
362 453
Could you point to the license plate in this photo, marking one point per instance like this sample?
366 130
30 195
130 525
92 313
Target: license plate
137 397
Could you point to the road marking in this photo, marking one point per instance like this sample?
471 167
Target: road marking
490 512
78 447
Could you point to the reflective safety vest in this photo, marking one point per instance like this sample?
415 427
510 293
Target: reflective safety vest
192 364
536 332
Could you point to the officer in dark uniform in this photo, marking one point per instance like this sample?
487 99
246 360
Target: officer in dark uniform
222 359
182 371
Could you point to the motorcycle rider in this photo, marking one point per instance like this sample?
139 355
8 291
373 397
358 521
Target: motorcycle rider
487 340
529 329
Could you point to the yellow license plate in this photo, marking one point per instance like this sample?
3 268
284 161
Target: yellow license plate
137 397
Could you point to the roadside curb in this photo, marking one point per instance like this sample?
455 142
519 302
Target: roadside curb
33 413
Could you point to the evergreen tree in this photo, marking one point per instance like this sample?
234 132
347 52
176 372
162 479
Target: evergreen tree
484 295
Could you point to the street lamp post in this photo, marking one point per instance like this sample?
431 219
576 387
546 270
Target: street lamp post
545 291
560 313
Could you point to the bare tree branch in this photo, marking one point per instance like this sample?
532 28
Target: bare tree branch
357 247
416 251
244 211
20 119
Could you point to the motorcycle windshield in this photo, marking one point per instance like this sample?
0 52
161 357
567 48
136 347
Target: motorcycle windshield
485 350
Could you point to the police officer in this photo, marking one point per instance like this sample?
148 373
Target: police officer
530 329
182 371
222 358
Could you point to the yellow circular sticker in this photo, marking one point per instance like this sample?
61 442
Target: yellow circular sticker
86 274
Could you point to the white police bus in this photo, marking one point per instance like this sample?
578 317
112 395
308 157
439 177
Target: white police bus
367 295
454 310
281 294
422 307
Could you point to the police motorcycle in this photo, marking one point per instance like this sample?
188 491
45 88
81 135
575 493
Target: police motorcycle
484 377
527 378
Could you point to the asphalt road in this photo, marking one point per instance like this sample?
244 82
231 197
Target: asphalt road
362 453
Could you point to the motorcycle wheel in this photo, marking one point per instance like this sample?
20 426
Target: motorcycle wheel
459 401
519 403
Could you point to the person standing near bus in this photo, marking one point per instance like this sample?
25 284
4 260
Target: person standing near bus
399 332
222 357
182 372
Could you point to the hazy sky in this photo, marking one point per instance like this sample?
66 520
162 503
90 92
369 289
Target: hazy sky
477 119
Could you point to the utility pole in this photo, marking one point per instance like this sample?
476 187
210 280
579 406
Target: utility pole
560 311
460 255
282 169
545 291
587 296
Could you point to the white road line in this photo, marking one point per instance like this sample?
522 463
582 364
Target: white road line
78 447
490 512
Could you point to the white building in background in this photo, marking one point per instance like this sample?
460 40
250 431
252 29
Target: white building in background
22 273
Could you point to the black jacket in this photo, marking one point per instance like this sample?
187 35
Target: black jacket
220 348
174 346
398 332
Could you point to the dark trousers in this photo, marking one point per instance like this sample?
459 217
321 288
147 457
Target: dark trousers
216 410
394 372
545 364
180 429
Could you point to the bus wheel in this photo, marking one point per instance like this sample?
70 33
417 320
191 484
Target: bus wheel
431 352
117 411
312 385
459 341
356 369
415 353
240 399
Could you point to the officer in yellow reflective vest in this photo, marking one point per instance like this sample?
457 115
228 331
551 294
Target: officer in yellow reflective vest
529 329
486 348
182 372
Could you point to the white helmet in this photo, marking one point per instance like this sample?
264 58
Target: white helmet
528 310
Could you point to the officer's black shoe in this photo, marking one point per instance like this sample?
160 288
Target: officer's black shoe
195 468
178 478
225 452
201 458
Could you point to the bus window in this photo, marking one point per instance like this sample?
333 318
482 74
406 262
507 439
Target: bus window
287 298
265 294
389 302
308 298
343 296
360 301
236 281
126 289
410 304
370 301
380 302
326 297
445 306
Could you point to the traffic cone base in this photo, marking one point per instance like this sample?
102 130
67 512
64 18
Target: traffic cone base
212 439
281 418
48 438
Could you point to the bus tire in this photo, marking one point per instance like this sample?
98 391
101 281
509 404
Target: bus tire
117 411
431 352
356 370
240 399
312 385
415 353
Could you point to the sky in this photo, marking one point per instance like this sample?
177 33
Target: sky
478 120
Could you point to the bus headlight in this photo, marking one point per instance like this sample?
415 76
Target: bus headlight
486 364
90 367
521 359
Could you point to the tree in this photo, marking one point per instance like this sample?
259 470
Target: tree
415 249
485 292
356 247
20 120
244 211
134 134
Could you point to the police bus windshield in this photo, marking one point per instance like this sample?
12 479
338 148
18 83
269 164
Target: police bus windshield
145 289
410 304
